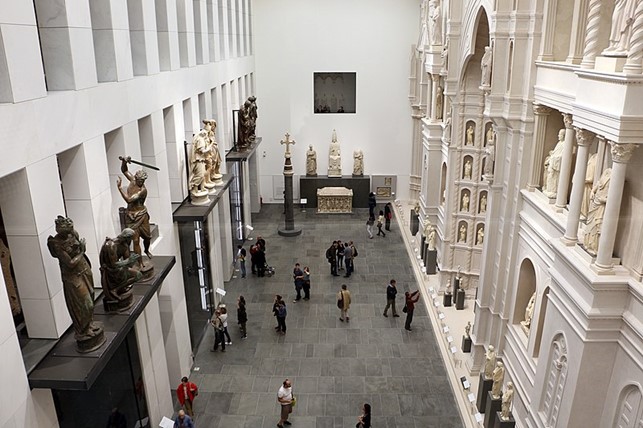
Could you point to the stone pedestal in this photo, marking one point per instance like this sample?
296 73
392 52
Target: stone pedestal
484 386
288 228
456 285
492 410
447 299
459 300
431 261
466 344
509 423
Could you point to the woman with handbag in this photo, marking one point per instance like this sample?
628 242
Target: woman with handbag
344 303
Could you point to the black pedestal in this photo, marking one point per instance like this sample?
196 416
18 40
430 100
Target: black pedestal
484 386
423 248
466 343
431 261
415 223
456 285
447 299
493 408
459 300
509 423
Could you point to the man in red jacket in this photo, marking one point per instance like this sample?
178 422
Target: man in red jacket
186 392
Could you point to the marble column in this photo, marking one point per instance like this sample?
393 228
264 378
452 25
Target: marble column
289 228
584 139
634 65
542 113
592 34
566 163
621 154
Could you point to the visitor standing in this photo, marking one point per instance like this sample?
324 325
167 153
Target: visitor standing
281 317
380 223
286 400
409 305
344 303
183 421
306 283
298 277
369 226
388 215
241 258
242 316
218 331
331 256
364 420
391 292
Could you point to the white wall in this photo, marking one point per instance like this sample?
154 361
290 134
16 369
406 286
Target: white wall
293 39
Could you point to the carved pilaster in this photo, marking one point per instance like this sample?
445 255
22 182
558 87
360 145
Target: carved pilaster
591 35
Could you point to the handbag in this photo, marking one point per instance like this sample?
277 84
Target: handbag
340 301
293 401
405 309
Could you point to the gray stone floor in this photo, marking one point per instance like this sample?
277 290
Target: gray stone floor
335 367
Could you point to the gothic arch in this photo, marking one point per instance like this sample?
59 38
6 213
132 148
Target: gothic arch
629 412
525 288
474 21
555 378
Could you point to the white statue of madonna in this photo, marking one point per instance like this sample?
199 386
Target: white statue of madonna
334 158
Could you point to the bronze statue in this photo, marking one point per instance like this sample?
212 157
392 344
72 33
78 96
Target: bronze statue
252 113
246 124
119 270
137 217
78 284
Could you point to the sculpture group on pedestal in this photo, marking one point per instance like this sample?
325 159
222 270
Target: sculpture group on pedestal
498 376
429 233
78 284
213 167
507 399
137 218
490 362
246 124
598 199
205 164
467 329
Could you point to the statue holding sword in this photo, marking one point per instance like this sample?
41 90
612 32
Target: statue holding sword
137 218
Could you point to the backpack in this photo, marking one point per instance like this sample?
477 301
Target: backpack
354 250
281 312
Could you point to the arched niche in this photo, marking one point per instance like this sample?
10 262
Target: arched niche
525 290
479 238
488 133
462 232
467 167
629 411
465 200
470 133
443 184
482 202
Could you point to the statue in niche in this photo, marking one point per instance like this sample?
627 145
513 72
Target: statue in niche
490 362
529 314
464 204
335 158
622 21
198 161
470 135
480 237
552 166
311 162
119 270
424 22
12 292
439 102
252 113
467 329
498 377
589 183
358 163
137 218
507 399
435 30
483 203
78 284
467 170
213 166
244 125
485 66
446 133
490 151
445 55
463 234
596 212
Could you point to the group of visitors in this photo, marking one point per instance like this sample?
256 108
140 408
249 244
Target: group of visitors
383 218
258 258
302 282
341 254
220 323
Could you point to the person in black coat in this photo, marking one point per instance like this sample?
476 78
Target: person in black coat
388 215
242 316
372 202
364 421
